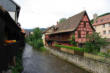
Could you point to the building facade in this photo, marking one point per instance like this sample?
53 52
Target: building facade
102 25
12 7
78 26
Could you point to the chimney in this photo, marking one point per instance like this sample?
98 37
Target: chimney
95 17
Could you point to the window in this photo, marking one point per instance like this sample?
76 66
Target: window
104 32
87 33
79 34
107 18
84 24
109 24
109 31
96 21
103 25
95 27
101 20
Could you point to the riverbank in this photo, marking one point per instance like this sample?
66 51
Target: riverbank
83 62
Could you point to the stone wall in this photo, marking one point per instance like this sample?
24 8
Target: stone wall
106 49
83 62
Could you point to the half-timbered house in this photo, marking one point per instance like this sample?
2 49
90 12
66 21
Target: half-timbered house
78 26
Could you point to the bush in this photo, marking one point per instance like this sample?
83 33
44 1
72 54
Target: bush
108 51
35 39
42 49
103 54
95 43
38 44
73 41
18 68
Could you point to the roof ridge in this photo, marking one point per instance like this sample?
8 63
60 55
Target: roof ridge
70 24
15 3
104 14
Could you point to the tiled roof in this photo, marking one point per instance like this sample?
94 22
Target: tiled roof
49 28
9 5
70 24
102 20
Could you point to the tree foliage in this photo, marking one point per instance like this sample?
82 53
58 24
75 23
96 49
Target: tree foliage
95 42
73 41
35 39
37 34
62 20
92 21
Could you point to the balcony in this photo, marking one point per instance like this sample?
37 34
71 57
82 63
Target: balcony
58 38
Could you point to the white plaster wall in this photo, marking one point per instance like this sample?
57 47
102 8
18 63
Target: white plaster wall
12 14
100 30
43 38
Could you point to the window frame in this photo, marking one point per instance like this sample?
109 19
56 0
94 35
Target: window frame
103 25
108 31
109 24
79 34
104 32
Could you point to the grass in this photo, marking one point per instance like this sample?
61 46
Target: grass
42 49
103 54
18 68
97 57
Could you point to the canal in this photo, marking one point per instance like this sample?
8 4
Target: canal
37 62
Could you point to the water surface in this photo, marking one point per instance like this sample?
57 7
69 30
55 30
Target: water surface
37 62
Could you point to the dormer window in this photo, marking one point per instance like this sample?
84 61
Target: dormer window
54 28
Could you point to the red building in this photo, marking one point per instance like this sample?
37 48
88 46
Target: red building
78 25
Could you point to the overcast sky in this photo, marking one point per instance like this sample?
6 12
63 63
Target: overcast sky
44 13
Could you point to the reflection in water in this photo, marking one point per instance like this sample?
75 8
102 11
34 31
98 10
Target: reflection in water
36 62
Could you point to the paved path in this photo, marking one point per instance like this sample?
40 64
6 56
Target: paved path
37 62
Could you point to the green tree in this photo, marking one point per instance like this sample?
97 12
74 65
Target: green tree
62 20
37 34
92 21
95 42
73 41
35 39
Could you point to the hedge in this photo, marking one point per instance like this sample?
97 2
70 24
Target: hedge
72 48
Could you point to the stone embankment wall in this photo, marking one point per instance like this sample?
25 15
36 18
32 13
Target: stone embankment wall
83 62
